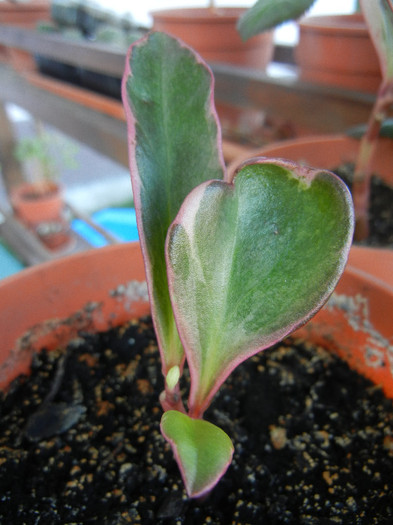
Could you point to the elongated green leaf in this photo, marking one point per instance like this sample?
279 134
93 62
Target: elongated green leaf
379 18
267 14
249 262
202 450
174 140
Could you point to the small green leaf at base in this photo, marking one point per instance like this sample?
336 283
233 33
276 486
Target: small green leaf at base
202 450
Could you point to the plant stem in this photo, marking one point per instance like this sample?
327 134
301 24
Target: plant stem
212 5
171 400
363 168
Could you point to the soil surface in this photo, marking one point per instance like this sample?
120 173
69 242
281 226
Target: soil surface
80 440
380 211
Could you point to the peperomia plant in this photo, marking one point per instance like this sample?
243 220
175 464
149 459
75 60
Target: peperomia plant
232 264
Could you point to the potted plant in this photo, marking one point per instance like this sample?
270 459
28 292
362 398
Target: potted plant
38 203
166 162
212 32
332 49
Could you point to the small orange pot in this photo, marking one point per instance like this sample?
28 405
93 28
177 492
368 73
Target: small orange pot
328 152
27 15
213 34
337 50
34 208
48 304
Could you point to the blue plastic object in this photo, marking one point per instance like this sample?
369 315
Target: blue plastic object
120 222
8 263
91 235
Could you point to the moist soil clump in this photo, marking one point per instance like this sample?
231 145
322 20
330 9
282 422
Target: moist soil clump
80 440
380 210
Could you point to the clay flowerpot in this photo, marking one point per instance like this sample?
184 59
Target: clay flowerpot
27 15
329 152
337 50
213 34
24 14
34 207
105 287
42 212
96 288
52 303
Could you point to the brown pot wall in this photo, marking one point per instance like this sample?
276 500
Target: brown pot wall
214 36
337 50
47 304
25 15
327 151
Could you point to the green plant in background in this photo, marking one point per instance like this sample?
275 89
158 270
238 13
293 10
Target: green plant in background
233 264
43 156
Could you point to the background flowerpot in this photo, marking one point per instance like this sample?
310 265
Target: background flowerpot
24 14
27 15
213 34
43 213
48 304
33 208
337 50
327 151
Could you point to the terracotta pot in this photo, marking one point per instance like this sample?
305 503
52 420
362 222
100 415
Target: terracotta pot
26 15
46 306
33 208
328 152
337 50
42 213
213 34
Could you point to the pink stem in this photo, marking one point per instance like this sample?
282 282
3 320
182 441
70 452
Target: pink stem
171 400
363 168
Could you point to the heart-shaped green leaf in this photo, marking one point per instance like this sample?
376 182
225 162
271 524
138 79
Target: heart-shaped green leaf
249 262
202 450
173 138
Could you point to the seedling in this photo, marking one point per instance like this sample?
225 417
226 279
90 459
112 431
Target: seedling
233 264
42 165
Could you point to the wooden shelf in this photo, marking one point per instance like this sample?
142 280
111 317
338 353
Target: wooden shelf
305 107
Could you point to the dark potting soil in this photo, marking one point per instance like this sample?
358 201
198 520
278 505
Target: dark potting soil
380 211
80 440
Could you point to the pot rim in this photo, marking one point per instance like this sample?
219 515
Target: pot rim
199 14
336 25
95 307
